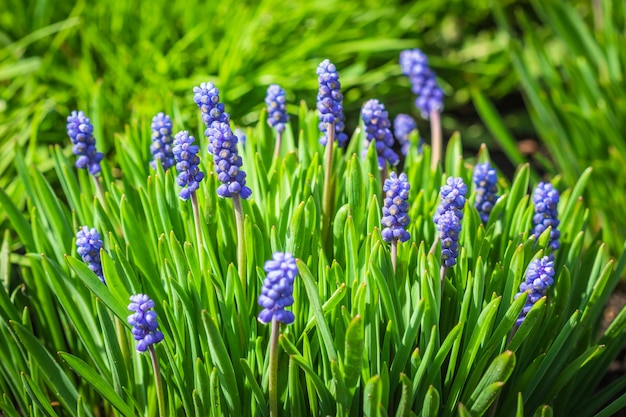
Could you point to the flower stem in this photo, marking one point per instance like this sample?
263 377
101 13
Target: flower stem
241 240
273 377
444 269
279 139
197 220
394 253
436 139
327 201
100 189
157 381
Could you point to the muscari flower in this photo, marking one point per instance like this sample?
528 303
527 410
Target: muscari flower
80 129
448 219
546 200
403 126
414 64
277 292
88 245
486 179
330 102
276 101
187 164
161 147
207 97
395 210
539 276
144 322
377 124
223 146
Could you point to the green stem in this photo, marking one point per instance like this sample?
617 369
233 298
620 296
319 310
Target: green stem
279 139
444 269
394 253
273 377
197 220
157 381
327 200
241 241
99 189
436 139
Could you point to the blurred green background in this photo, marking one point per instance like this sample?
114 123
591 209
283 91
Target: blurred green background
537 81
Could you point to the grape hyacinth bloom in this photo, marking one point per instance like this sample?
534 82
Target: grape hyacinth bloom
546 200
144 322
207 97
414 64
187 164
377 124
448 219
395 210
539 276
277 292
403 126
330 102
486 179
223 146
161 147
88 245
276 101
80 129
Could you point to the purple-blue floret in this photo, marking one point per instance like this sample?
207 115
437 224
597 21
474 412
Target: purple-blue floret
223 146
396 207
144 322
161 147
539 276
330 103
88 245
377 129
80 131
276 101
546 200
187 164
277 291
485 179
414 64
448 219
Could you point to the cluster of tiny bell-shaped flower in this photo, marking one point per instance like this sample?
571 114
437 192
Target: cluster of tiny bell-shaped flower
403 126
161 147
80 131
207 97
277 291
448 219
396 208
485 178
539 276
377 128
546 200
187 164
276 101
144 322
330 103
223 146
414 64
88 245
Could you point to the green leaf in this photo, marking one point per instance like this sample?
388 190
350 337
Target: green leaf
372 397
431 403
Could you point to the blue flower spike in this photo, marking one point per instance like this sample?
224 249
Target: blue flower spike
80 131
546 199
403 126
486 180
144 322
207 97
414 64
539 276
448 220
276 101
377 129
161 147
330 103
187 164
395 209
88 245
223 146
277 292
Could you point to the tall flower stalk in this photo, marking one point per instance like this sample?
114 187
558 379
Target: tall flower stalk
429 102
276 294
330 107
161 147
378 130
546 199
395 212
80 132
277 116
485 179
146 333
403 126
